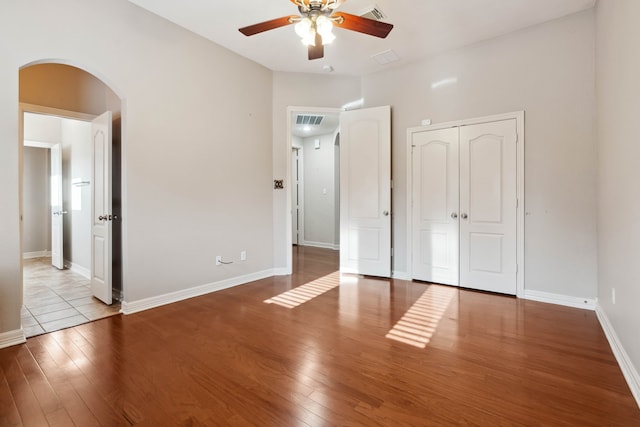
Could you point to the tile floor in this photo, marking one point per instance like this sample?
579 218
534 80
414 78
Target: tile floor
57 299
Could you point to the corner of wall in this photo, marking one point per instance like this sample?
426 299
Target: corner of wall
10 338
629 371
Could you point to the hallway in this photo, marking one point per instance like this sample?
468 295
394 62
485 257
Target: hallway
57 299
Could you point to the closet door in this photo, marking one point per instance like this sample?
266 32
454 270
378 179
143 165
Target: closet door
435 206
488 206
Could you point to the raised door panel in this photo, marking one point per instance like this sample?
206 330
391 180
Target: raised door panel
365 191
488 206
435 206
102 218
57 220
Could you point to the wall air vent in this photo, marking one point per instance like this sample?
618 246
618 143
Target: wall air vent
306 119
372 12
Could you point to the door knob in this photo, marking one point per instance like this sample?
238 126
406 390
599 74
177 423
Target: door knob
102 218
463 216
454 215
385 213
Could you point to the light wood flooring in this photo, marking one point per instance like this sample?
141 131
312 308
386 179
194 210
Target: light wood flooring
56 299
315 349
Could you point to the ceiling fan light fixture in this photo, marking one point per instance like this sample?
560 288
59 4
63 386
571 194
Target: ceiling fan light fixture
314 24
324 26
303 27
310 38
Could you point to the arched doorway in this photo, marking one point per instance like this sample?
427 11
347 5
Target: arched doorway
57 103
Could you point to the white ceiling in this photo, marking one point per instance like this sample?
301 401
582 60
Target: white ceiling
421 28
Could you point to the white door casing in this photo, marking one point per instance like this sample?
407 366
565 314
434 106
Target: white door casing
435 206
488 200
365 191
295 191
101 208
57 211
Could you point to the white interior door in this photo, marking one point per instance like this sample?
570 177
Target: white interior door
435 206
57 226
102 214
295 212
365 191
488 206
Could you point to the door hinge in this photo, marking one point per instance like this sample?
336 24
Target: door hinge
391 251
517 137
391 184
517 203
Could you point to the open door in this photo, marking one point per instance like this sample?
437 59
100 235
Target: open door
57 220
101 208
365 191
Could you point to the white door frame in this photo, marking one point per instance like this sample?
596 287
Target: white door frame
300 185
287 179
519 117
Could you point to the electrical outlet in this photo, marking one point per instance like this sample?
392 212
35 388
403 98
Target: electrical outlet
218 260
613 295
243 255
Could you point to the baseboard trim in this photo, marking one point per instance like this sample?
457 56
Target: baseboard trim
400 275
84 272
281 272
626 365
37 254
130 307
320 245
569 301
15 337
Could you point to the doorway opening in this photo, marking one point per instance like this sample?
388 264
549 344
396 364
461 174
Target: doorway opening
57 106
364 197
315 173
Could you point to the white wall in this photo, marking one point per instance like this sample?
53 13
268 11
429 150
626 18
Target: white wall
618 87
76 168
301 90
319 191
196 120
36 217
547 71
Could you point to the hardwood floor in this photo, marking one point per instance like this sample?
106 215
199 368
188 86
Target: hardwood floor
362 352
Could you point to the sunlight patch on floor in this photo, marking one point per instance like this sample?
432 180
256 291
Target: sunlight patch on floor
420 322
306 292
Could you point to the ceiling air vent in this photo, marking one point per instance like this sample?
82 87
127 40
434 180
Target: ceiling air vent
373 12
306 119
386 57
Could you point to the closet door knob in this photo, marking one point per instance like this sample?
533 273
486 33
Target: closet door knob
463 216
454 215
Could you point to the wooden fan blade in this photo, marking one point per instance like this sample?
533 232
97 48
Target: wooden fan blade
268 25
317 51
362 25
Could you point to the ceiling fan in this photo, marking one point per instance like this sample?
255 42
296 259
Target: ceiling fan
315 22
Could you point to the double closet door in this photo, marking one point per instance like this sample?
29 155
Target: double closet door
464 206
